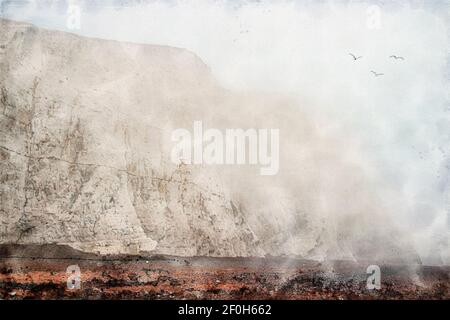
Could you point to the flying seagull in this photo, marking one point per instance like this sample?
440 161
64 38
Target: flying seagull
377 74
397 57
355 57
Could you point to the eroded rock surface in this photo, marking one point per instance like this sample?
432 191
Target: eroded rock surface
83 164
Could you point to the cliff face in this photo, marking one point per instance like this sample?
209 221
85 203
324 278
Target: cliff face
82 154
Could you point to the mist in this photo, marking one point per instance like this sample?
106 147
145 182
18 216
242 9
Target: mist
373 151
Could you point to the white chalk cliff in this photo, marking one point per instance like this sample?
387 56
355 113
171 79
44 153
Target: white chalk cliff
85 145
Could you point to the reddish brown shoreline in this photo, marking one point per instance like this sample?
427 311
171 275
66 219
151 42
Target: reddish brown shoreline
39 272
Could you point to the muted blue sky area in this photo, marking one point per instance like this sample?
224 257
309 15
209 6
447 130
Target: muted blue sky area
13 8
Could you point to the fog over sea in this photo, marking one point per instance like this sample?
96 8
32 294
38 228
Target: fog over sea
398 122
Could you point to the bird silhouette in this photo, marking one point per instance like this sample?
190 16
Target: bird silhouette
355 57
397 57
377 74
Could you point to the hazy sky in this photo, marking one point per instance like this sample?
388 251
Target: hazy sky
302 48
